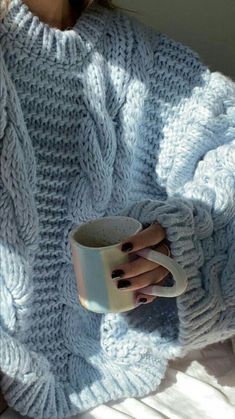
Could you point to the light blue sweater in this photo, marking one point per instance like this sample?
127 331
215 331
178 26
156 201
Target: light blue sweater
109 118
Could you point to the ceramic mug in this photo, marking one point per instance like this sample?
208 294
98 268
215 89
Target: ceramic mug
95 254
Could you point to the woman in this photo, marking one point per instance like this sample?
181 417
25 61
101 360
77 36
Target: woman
99 116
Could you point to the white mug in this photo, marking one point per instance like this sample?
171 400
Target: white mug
96 253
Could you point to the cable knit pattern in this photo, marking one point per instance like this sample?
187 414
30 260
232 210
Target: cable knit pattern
107 118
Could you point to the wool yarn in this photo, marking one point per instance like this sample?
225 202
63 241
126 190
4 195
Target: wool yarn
109 118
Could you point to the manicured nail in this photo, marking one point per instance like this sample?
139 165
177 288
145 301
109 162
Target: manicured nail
123 283
142 300
118 273
127 247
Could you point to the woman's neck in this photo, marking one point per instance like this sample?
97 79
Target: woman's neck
56 13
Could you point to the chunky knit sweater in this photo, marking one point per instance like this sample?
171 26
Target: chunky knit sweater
108 118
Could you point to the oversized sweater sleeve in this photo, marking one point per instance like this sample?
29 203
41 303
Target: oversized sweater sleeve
187 150
18 240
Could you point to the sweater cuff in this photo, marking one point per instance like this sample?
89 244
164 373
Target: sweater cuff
201 308
176 216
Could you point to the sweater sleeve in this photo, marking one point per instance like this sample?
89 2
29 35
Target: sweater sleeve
18 223
191 158
18 241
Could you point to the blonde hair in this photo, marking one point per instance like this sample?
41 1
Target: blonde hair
79 5
4 4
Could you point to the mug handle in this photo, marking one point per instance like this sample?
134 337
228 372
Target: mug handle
173 267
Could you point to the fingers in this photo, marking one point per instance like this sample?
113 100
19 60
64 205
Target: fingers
142 298
143 280
147 237
138 266
140 274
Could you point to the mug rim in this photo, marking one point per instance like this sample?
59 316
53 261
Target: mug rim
77 244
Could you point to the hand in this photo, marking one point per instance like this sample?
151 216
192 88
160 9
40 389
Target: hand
139 272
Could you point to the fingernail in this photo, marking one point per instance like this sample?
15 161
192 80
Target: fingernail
123 283
126 247
118 273
142 300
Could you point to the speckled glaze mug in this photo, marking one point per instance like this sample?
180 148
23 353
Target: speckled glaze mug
95 253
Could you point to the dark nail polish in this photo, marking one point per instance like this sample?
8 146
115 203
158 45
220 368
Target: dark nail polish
118 273
123 283
126 247
143 300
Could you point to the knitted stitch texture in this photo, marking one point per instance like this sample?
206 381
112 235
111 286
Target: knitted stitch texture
108 118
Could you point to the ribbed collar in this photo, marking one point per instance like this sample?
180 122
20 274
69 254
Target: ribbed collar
41 40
